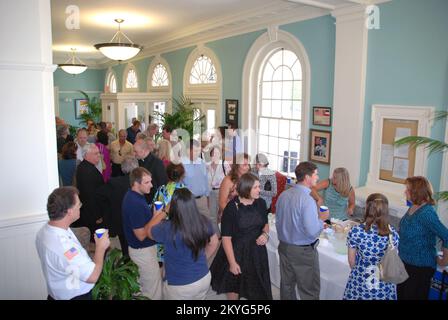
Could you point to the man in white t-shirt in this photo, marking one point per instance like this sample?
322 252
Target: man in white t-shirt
69 272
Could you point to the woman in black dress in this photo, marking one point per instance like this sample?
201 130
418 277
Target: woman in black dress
240 268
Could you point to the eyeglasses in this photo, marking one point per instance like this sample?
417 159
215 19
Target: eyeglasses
80 205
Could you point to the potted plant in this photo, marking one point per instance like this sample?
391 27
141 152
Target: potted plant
95 109
184 116
118 280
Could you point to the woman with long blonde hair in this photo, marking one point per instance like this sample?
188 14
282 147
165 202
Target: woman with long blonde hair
164 152
339 195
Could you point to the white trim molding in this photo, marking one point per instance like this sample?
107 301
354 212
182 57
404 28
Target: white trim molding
17 66
254 62
381 112
205 96
129 67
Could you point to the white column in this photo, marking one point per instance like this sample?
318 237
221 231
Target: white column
349 90
28 142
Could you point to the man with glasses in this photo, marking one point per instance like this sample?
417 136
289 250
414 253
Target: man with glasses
69 272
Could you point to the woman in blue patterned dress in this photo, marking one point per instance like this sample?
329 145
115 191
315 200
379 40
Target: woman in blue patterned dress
367 244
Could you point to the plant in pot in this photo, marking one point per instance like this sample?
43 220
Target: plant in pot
118 280
94 111
184 116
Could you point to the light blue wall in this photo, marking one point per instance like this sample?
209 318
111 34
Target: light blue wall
408 65
318 38
231 53
89 80
177 60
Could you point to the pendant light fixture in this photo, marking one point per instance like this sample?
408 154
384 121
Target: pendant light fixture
73 65
119 50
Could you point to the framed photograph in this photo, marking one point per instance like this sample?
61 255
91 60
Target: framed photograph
320 146
81 107
322 116
231 111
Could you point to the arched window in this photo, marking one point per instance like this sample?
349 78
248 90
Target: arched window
111 83
160 76
203 71
203 84
275 96
131 80
280 112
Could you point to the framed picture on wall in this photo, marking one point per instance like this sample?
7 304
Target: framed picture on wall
81 107
320 146
322 116
232 111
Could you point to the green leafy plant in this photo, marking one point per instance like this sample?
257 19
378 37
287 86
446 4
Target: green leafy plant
184 116
95 109
118 280
434 146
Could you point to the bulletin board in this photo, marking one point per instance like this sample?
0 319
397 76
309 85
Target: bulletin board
397 162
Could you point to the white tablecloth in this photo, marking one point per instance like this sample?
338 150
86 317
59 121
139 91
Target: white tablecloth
334 268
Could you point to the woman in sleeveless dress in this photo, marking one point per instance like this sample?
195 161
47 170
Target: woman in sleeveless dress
339 195
227 191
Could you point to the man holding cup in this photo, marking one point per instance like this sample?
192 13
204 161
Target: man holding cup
142 250
299 225
69 272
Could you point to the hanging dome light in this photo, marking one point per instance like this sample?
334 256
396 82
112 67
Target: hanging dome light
73 65
119 50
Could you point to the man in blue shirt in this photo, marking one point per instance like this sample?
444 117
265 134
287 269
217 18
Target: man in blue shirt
299 225
142 250
196 179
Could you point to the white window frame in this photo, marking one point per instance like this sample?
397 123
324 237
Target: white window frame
129 67
256 58
110 72
160 93
205 95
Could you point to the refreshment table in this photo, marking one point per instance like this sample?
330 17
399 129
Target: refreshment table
334 268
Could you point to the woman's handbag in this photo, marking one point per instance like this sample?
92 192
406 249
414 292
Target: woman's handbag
392 269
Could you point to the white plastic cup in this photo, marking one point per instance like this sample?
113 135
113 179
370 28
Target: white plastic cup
99 232
323 208
288 179
158 205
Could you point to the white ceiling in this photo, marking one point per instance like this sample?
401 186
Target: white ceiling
160 23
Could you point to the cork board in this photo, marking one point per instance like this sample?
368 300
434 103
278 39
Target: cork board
397 163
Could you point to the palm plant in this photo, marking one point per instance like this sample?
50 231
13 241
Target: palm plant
434 146
184 116
118 280
95 109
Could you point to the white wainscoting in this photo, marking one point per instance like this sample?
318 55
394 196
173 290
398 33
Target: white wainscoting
21 275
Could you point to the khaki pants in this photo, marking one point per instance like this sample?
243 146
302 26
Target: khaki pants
193 291
150 278
203 208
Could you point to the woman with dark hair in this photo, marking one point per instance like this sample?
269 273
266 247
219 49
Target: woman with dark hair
189 241
102 144
240 268
67 163
175 173
367 244
419 228
227 190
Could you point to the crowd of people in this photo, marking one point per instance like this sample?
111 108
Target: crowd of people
212 227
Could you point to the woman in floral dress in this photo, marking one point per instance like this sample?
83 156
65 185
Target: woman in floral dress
367 244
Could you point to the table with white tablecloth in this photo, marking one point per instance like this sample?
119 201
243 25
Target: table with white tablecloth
334 267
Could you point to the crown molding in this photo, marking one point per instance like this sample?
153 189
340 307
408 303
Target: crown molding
18 66
231 28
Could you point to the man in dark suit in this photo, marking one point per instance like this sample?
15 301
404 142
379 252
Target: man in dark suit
110 199
151 163
88 180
